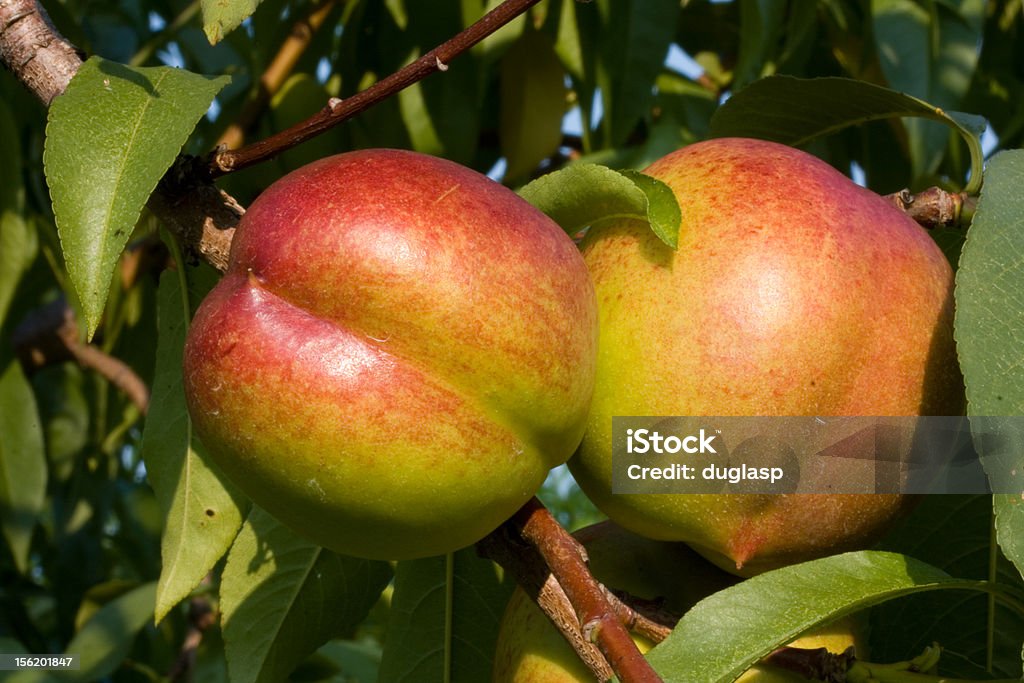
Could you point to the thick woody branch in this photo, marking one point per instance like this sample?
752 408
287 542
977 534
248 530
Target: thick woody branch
51 336
225 161
31 48
506 547
598 621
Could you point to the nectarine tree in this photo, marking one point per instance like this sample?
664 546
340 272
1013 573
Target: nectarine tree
286 381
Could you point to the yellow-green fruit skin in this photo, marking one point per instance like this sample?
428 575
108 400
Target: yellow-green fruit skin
531 650
793 292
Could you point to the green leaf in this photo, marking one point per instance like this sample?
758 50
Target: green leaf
735 627
567 42
135 121
221 17
64 411
761 22
359 660
441 113
952 533
493 46
106 639
583 194
990 338
1009 510
18 241
794 111
988 283
532 104
202 510
444 619
635 37
283 597
928 51
22 462
901 33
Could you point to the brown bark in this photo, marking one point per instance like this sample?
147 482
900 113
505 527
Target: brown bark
598 621
33 50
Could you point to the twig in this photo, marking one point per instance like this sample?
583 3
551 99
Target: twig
643 617
50 335
225 161
506 547
275 74
934 207
599 622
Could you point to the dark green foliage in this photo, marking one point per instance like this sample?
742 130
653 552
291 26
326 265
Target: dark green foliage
82 530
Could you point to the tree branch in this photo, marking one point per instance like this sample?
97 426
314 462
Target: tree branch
50 335
596 620
506 546
337 111
275 74
33 50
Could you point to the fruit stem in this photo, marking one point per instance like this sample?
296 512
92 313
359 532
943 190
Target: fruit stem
935 208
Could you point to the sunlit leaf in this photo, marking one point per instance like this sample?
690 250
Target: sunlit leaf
202 510
221 17
109 139
582 194
734 628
